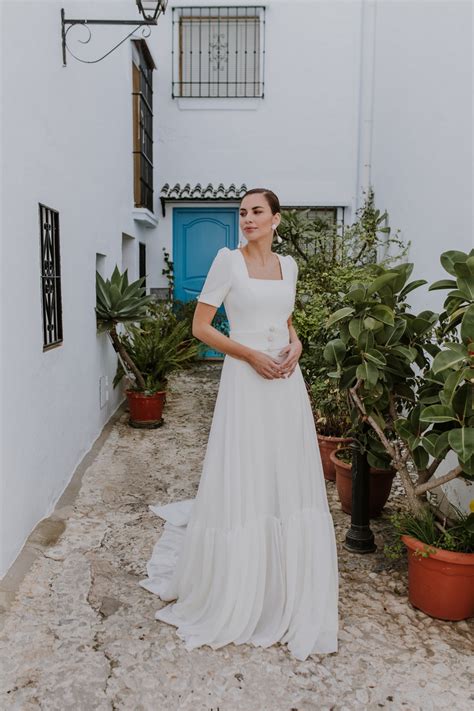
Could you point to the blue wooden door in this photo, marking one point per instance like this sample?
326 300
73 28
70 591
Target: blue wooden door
198 233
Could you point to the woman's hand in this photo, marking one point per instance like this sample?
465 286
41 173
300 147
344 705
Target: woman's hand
265 365
293 351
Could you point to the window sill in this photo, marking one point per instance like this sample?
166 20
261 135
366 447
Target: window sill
222 104
145 216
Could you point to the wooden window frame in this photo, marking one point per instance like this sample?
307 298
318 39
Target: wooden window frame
142 94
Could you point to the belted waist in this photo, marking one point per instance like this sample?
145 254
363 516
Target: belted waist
270 338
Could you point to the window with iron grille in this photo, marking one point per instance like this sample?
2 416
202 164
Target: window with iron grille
218 51
142 262
50 277
143 66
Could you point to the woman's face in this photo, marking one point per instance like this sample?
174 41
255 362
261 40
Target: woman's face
256 217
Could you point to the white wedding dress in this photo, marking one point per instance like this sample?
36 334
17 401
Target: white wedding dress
252 559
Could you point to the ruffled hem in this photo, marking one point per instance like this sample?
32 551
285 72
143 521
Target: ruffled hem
270 580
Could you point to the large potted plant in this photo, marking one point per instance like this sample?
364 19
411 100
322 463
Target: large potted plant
381 479
329 262
410 379
153 344
159 345
332 420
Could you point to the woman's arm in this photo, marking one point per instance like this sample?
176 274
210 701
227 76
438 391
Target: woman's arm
203 331
293 335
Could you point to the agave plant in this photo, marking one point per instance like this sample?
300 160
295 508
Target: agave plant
158 346
410 378
121 302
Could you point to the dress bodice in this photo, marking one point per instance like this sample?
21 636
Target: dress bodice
253 306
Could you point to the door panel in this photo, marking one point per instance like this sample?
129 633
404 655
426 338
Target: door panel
198 233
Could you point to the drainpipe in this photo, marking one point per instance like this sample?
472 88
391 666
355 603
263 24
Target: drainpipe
366 99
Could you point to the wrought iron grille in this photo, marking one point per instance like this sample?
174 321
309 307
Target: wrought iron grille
50 277
142 261
143 127
218 51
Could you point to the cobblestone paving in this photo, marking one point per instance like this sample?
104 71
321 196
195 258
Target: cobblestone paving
81 632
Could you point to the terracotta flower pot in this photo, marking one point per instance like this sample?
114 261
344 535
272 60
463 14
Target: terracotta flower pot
326 446
380 486
145 410
441 584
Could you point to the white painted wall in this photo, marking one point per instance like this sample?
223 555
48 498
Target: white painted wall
422 136
66 142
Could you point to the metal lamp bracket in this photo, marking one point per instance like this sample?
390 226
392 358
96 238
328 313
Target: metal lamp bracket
145 24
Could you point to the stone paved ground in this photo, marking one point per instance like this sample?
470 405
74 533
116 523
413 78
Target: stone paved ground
81 633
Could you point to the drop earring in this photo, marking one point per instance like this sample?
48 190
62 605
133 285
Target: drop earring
279 239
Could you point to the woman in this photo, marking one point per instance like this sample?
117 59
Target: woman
252 559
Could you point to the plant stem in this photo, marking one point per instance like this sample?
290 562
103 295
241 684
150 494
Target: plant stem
118 345
427 486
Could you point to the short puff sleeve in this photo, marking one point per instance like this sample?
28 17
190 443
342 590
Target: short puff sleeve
218 280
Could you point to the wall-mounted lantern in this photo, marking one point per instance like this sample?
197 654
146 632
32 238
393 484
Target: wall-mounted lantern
149 9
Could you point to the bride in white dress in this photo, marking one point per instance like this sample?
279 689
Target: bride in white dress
252 559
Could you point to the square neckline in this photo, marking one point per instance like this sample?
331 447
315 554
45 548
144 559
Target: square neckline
259 278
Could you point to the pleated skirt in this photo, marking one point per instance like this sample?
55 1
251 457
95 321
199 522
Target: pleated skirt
252 558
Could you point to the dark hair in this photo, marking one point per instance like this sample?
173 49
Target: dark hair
270 196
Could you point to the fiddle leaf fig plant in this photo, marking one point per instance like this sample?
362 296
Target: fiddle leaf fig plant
410 378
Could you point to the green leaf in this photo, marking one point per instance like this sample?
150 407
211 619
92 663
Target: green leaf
334 351
462 402
421 325
368 373
420 457
396 332
451 384
383 313
372 324
355 327
403 429
456 347
365 341
376 357
442 445
407 352
466 287
443 284
449 258
414 418
464 268
437 413
339 315
348 378
381 281
448 359
403 271
462 441
428 442
357 294
411 286
467 325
